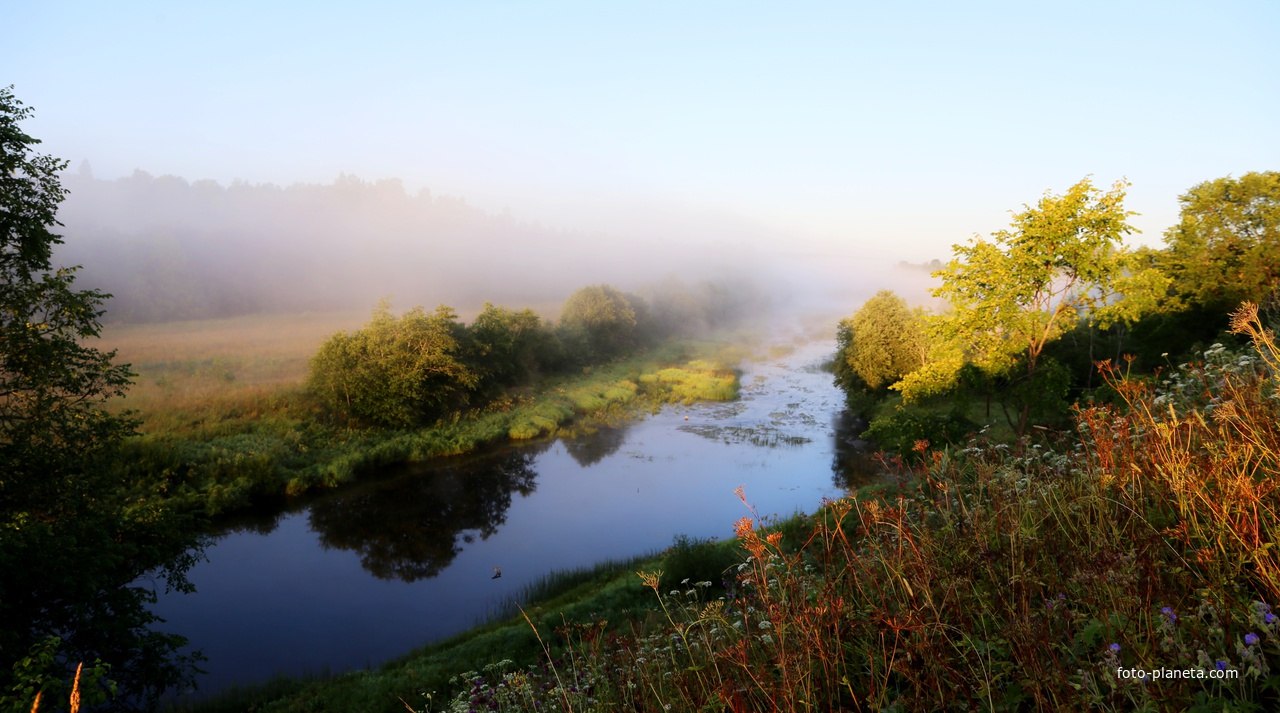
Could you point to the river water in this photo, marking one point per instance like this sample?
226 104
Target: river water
357 577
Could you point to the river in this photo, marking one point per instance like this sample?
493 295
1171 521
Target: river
353 578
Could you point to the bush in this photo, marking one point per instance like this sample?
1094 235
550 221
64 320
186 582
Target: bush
906 426
699 560
395 372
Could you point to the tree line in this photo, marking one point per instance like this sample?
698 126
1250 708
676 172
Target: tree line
418 367
1033 310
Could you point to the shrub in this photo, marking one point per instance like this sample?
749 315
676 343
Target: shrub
690 560
901 430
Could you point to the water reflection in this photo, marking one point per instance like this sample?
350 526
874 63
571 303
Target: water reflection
590 449
413 526
853 462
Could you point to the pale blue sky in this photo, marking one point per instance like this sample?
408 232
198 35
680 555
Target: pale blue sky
891 128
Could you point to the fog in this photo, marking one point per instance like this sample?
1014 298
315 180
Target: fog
171 249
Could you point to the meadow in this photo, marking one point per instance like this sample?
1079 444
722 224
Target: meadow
189 369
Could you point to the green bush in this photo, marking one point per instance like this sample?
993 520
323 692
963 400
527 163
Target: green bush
900 430
699 560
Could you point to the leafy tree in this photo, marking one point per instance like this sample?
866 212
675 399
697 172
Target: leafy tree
1225 249
601 321
505 348
396 372
1061 261
881 343
70 546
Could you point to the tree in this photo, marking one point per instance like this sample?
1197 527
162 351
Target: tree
397 372
881 343
505 348
1225 248
70 546
601 320
1062 261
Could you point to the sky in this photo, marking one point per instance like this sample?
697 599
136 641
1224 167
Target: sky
891 130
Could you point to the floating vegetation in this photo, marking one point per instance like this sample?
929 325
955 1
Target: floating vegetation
765 436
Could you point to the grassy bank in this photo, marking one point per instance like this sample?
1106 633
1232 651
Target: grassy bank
225 420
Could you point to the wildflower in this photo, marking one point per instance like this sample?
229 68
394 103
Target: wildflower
1251 639
1269 618
1115 648
1168 611
650 579
1221 665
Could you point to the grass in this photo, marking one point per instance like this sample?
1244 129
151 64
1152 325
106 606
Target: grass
190 370
995 578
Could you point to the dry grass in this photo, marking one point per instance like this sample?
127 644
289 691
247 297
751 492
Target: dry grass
187 370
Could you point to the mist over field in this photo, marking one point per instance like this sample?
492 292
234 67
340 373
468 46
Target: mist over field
171 249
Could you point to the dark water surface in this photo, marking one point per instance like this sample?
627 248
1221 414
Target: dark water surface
354 578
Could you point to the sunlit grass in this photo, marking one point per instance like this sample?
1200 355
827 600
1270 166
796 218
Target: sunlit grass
191 374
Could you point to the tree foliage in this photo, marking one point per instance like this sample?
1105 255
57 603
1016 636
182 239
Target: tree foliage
505 348
881 343
408 371
396 371
1225 248
70 546
599 321
1060 262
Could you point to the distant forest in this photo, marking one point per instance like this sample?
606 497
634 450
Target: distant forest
168 249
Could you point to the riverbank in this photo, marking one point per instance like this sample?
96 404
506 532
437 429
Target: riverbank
220 432
1127 566
352 577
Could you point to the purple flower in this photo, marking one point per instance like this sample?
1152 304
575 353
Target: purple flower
1167 611
1269 618
1251 639
1221 665
1115 648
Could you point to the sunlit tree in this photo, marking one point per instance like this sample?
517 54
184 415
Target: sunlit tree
1225 248
1061 261
396 371
881 343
